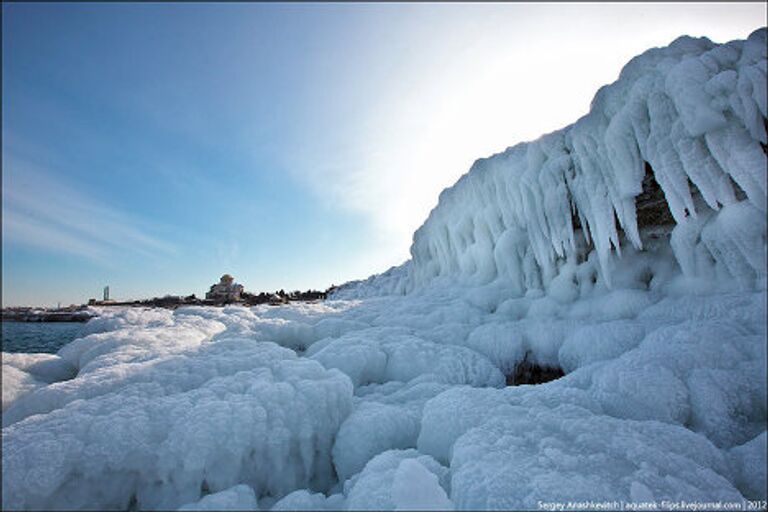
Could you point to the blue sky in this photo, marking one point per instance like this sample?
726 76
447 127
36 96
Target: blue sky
153 147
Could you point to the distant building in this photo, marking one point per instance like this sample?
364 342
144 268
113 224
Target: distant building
106 301
226 290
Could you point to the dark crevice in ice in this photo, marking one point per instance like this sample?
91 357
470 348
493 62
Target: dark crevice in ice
133 504
738 191
651 205
529 372
765 146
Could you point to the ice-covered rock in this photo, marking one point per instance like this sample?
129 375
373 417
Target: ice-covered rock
254 413
708 376
515 460
23 373
687 122
383 484
414 487
305 500
46 367
372 429
17 383
382 355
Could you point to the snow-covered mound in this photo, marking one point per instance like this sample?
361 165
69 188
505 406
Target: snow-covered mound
394 402
647 340
158 432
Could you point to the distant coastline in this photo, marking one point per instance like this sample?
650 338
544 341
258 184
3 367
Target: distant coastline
84 312
244 299
28 314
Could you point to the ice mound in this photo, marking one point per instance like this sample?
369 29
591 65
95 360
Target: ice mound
256 414
399 480
110 319
46 367
133 340
452 413
591 343
508 344
372 429
23 373
416 488
305 500
17 383
510 448
527 455
384 355
708 376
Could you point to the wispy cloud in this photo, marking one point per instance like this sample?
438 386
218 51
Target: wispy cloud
20 228
42 211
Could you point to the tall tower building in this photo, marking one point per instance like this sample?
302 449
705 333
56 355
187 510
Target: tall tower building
106 293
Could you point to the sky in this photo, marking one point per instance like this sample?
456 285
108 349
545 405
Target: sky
153 147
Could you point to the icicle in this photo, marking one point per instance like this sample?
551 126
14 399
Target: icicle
695 111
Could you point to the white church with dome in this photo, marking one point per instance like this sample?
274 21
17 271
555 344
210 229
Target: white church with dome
226 290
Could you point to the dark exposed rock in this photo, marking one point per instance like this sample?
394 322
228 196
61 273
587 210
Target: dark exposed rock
765 146
529 372
652 209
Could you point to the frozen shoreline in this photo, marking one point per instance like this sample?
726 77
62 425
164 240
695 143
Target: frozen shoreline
394 393
357 388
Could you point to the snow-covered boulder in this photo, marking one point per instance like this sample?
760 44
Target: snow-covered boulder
242 411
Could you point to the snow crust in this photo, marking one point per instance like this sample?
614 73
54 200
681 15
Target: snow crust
393 394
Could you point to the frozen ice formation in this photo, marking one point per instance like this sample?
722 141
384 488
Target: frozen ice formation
156 434
23 373
399 480
626 251
567 454
691 115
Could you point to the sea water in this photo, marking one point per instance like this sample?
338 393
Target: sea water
38 336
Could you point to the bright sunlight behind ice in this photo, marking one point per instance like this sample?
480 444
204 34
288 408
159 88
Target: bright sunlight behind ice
482 78
297 146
